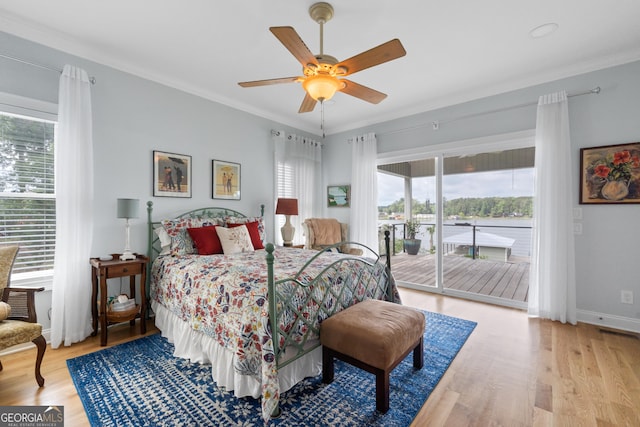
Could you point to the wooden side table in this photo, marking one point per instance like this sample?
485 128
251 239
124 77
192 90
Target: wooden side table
103 270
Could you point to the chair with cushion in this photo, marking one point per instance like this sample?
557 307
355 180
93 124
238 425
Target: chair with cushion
323 232
18 320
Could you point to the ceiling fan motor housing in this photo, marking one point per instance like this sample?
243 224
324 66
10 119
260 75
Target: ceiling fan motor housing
321 12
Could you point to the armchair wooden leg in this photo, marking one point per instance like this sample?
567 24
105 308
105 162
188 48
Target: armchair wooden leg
41 343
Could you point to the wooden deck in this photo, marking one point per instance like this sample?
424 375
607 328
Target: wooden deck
508 280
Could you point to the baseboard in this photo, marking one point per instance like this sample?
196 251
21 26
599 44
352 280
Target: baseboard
591 317
609 321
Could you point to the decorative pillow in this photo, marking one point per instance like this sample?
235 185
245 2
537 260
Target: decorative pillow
181 243
206 240
235 240
5 311
165 240
254 233
240 220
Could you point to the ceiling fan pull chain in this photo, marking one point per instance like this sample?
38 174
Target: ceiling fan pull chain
322 117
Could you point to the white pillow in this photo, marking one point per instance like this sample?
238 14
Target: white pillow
5 311
165 240
235 240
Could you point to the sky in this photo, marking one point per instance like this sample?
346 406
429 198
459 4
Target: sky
509 183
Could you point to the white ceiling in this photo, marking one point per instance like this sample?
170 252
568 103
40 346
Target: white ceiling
457 50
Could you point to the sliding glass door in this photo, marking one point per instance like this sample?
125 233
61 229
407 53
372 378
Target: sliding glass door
408 193
474 215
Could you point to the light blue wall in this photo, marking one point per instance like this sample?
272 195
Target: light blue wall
607 253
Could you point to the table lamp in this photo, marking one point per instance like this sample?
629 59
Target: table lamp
287 207
128 208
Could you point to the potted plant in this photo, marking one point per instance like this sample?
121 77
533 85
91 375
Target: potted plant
411 244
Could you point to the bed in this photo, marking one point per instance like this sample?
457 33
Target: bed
253 314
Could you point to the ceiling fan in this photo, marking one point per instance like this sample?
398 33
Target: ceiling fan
323 73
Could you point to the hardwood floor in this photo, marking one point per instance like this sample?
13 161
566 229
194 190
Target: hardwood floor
513 371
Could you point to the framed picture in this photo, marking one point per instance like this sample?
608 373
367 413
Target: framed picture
610 174
225 180
339 196
171 175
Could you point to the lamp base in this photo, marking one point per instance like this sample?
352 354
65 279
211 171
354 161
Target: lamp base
127 255
288 231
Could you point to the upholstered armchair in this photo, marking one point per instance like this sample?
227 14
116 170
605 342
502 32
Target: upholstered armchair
18 320
322 232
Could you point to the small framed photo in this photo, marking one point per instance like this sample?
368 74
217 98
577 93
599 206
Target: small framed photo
225 180
610 174
171 174
339 196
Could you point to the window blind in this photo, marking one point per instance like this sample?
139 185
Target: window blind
27 190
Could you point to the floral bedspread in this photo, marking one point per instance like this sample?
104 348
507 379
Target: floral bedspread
225 297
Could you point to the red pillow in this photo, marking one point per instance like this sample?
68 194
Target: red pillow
254 233
206 240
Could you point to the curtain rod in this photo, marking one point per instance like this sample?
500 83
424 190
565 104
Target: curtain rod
44 67
436 123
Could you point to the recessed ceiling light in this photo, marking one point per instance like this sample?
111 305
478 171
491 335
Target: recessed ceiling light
543 30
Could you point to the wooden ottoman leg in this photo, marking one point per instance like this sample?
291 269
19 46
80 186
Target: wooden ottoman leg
382 391
327 365
418 354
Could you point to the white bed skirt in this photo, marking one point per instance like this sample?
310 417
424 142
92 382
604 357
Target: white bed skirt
200 348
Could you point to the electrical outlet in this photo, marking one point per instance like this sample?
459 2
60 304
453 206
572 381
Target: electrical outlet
577 228
577 213
626 297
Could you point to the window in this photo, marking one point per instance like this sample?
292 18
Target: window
298 168
27 190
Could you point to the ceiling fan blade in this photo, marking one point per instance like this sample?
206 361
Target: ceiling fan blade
292 41
308 104
362 92
269 82
388 51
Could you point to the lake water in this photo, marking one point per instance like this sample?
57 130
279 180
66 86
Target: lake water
504 227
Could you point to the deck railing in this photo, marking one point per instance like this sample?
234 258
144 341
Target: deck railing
398 231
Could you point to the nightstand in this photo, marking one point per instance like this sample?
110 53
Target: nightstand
101 271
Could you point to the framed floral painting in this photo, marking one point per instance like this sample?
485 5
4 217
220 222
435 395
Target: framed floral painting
610 174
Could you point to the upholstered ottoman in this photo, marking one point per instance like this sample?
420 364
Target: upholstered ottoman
375 336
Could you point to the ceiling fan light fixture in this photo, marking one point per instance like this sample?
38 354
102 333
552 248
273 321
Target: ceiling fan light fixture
322 87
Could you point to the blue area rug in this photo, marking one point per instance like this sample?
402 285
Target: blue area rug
140 383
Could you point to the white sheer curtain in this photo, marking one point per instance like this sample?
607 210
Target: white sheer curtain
298 175
552 285
71 315
363 223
